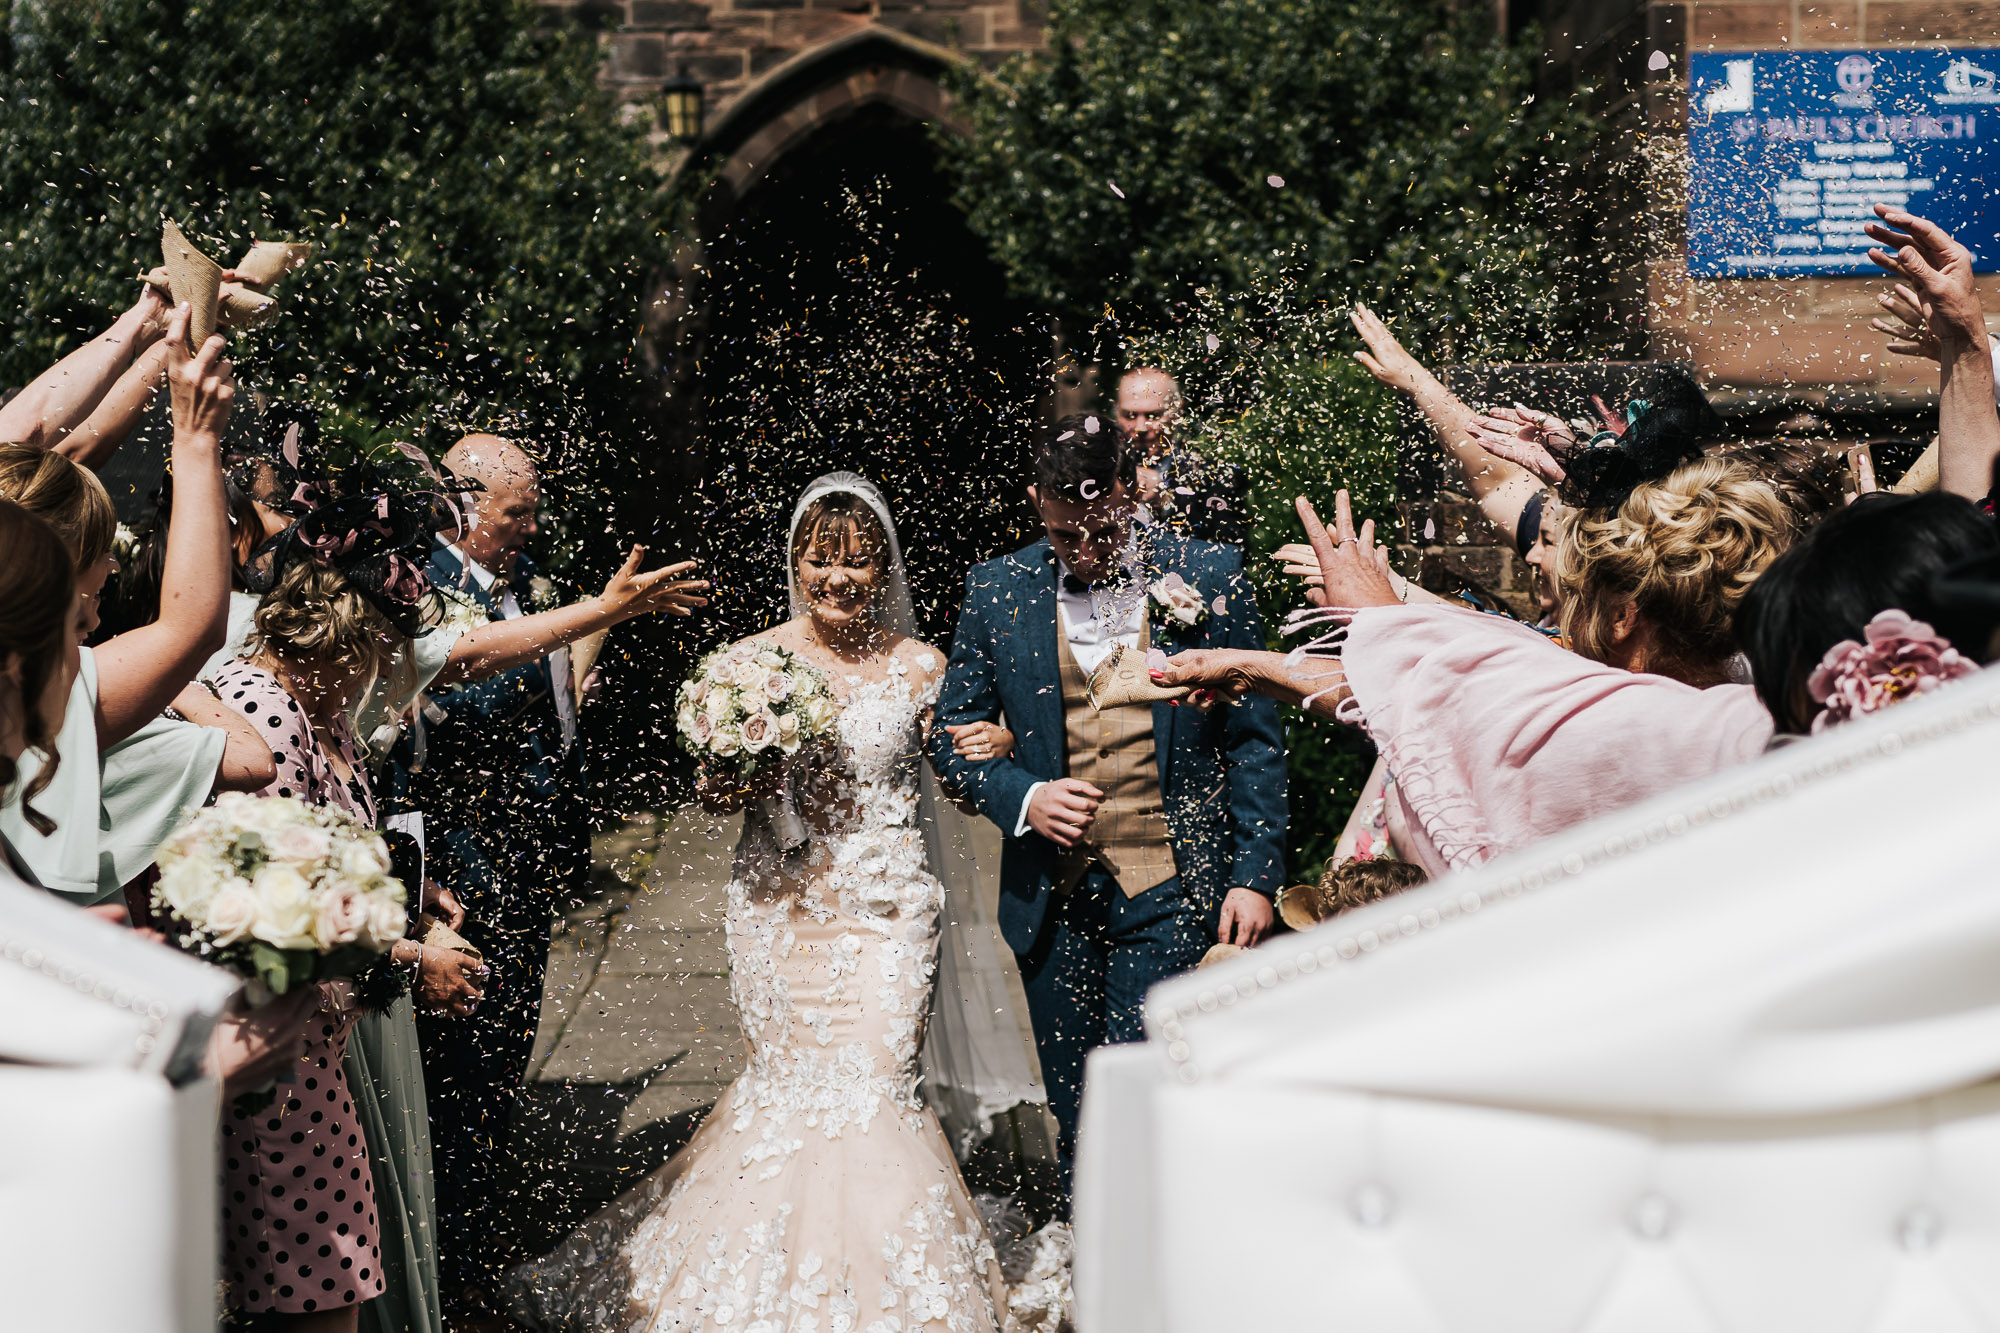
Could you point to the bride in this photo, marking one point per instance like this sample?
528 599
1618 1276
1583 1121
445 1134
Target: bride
820 1195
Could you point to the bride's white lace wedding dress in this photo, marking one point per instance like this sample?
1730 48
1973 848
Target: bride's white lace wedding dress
820 1196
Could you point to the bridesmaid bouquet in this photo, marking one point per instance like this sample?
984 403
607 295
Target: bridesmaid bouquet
282 892
751 707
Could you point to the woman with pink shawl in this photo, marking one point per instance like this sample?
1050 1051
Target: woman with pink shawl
1498 736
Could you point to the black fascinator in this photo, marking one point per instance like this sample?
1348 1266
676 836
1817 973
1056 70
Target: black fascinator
1661 435
378 544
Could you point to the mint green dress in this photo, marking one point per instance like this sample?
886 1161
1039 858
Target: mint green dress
112 810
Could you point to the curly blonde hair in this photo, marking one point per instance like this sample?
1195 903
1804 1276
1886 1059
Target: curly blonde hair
313 616
1684 549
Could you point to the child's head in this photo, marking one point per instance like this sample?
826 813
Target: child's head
1358 882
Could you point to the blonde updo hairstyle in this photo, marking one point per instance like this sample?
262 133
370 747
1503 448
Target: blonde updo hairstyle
67 497
1685 549
312 616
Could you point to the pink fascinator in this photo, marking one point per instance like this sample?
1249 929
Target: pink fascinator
1901 657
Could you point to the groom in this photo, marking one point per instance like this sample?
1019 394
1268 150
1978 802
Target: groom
1135 837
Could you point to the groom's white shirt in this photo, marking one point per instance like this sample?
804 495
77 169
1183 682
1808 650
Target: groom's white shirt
1091 638
510 609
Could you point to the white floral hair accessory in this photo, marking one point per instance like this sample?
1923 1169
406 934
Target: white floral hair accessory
1899 658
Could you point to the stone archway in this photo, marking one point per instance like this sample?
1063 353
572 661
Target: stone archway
839 315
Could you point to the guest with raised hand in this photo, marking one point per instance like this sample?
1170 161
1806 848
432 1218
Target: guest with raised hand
341 591
1497 736
1507 494
1938 271
492 766
48 412
142 772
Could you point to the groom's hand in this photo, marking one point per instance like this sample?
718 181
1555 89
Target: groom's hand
1062 810
1246 918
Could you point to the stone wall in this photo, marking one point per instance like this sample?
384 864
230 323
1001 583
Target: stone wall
727 45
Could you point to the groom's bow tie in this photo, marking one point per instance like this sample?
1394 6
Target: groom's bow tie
1076 587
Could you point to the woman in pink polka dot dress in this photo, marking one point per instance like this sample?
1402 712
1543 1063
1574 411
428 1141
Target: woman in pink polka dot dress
298 1207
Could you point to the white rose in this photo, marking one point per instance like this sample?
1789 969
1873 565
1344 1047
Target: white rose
301 844
285 907
233 805
748 675
233 912
365 858
750 698
718 706
760 731
771 660
189 886
777 687
1182 602
696 691
820 715
387 921
342 916
725 742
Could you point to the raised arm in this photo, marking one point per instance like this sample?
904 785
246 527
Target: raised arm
502 645
1940 269
118 413
58 399
140 671
1501 488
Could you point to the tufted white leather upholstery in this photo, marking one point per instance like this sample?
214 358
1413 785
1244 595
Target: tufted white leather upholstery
1721 1062
107 1134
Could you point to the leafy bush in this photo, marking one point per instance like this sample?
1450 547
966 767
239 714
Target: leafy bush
484 221
1206 185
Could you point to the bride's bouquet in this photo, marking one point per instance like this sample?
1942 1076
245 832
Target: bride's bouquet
751 707
282 892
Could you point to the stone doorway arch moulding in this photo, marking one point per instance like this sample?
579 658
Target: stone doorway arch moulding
781 111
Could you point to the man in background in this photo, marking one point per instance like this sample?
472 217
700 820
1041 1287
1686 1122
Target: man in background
1205 499
493 766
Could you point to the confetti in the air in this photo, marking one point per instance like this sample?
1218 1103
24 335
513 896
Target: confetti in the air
1659 60
1275 182
1213 343
1115 190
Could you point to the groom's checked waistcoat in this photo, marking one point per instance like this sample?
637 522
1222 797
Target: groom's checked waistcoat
1219 775
1113 751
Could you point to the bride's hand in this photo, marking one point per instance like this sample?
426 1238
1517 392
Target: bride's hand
725 793
981 741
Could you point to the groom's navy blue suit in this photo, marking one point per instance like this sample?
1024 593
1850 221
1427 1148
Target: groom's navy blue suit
1087 955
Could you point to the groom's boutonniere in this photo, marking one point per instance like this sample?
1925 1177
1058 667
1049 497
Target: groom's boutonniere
541 593
1175 604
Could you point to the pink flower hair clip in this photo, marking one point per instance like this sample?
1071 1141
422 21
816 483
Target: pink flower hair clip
1901 657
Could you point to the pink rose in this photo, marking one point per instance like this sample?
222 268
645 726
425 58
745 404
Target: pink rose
301 844
777 687
1901 657
703 729
340 919
760 731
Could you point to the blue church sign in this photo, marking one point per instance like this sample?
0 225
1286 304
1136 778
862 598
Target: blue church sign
1789 150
